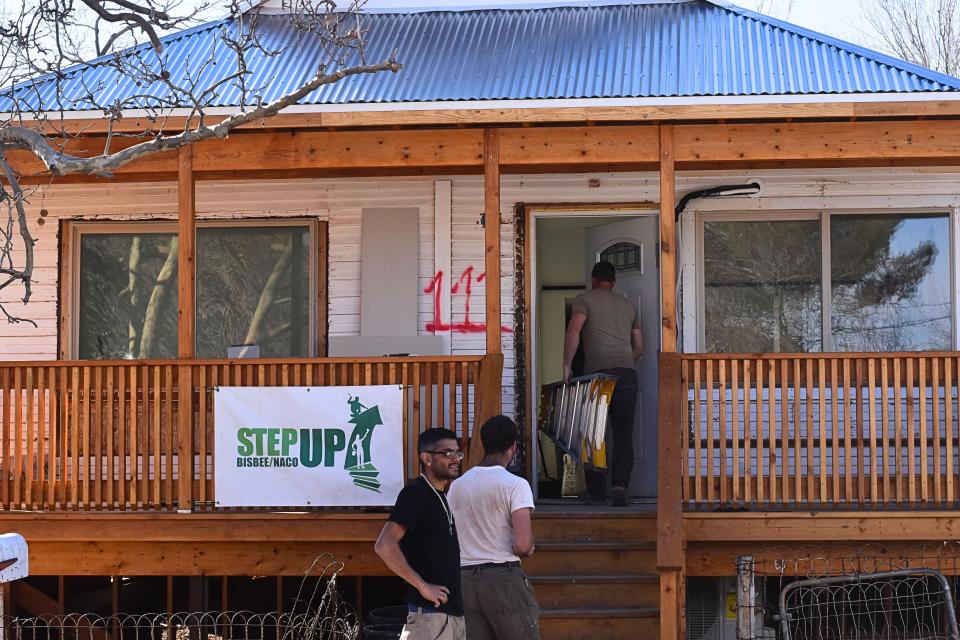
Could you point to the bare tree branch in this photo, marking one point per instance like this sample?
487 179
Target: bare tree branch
49 50
15 202
924 32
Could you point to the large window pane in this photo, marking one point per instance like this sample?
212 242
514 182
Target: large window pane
762 286
253 287
890 282
128 295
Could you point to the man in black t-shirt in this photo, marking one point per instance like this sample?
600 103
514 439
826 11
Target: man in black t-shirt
419 543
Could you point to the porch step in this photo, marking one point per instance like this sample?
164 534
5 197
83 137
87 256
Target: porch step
596 558
592 523
603 545
589 592
599 624
629 613
643 578
594 573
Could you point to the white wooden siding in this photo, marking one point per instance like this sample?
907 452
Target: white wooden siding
340 201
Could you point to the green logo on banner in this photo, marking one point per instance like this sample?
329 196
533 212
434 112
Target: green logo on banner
359 463
262 447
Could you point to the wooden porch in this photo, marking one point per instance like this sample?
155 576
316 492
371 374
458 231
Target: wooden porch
831 449
138 435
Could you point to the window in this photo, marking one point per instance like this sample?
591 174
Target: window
254 285
890 283
835 281
762 286
626 257
127 295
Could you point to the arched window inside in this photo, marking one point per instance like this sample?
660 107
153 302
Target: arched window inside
624 256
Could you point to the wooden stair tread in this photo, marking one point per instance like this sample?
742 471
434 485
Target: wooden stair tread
604 578
634 612
601 545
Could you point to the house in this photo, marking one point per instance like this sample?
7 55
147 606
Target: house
784 207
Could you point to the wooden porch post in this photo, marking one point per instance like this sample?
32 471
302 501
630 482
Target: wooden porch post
491 235
486 403
491 370
186 255
668 237
186 322
670 534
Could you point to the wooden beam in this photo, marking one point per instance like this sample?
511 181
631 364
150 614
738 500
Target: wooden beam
670 523
186 255
491 235
670 533
342 150
668 239
186 323
65 289
522 149
671 605
771 527
818 141
203 558
290 153
805 559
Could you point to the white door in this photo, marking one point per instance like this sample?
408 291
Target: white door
631 245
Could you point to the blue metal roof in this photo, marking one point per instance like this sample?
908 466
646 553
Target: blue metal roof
671 49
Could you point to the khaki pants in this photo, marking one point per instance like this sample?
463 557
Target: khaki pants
433 626
499 604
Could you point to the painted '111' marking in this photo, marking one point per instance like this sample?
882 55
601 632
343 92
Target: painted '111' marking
466 282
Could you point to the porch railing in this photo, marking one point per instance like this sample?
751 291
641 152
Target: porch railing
818 431
138 435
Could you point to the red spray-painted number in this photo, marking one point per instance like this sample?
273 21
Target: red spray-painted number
465 282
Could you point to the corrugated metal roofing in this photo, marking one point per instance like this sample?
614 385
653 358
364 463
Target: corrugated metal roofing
677 49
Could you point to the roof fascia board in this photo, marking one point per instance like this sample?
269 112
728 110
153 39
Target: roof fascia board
664 103
871 54
551 111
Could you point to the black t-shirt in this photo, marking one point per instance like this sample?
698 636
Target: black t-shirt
428 545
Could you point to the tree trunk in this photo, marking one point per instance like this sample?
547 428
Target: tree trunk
161 292
267 296
133 274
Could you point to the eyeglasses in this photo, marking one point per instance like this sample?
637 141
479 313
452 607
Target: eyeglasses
449 454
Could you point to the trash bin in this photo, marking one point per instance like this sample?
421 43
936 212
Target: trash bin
395 614
382 631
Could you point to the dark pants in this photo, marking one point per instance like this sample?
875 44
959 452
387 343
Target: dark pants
620 451
499 604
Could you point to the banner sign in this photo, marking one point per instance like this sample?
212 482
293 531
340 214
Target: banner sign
308 446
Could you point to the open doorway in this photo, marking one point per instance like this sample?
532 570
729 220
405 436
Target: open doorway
566 246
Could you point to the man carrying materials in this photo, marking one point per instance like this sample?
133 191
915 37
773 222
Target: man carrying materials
612 342
419 543
493 507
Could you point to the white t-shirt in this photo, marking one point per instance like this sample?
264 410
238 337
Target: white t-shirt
483 500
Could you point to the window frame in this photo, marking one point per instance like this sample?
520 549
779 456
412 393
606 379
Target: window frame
822 215
316 288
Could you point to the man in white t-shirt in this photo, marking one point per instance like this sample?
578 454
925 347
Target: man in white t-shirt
492 508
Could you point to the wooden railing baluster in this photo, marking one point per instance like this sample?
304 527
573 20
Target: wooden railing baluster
697 436
935 428
817 431
949 364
